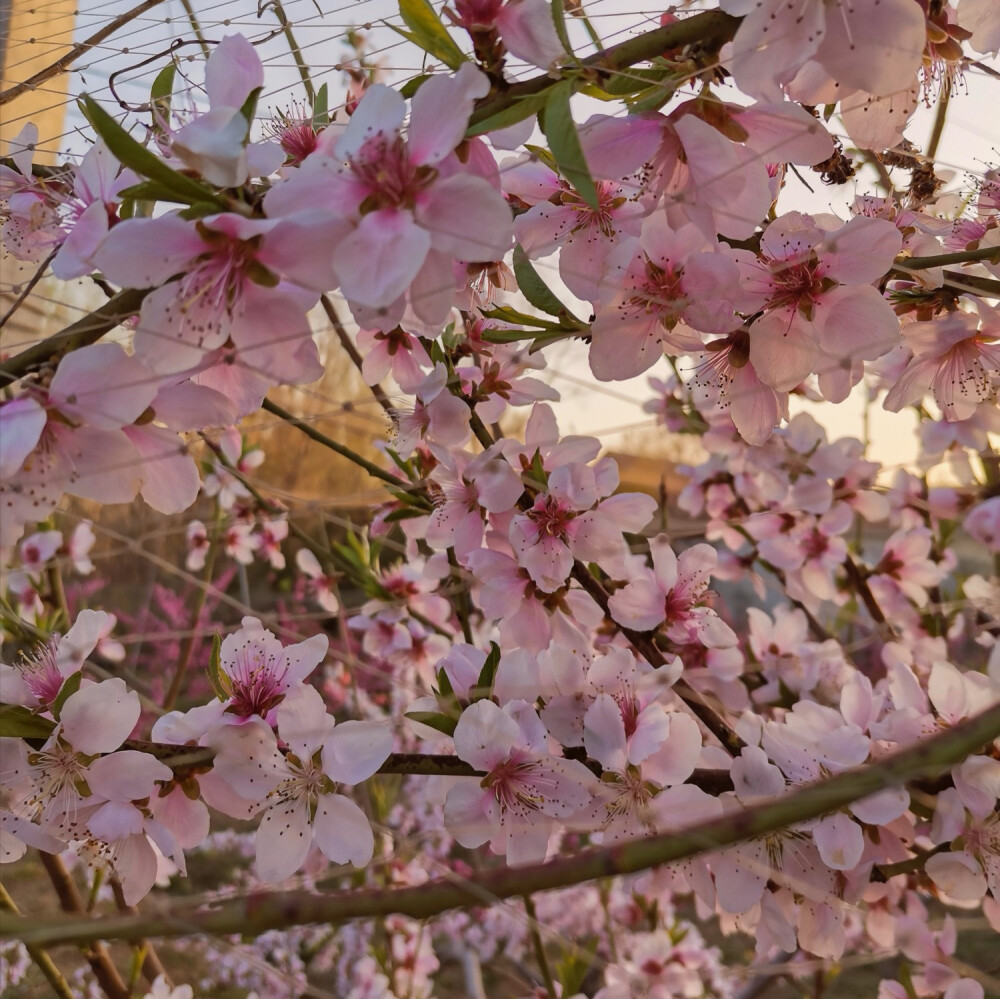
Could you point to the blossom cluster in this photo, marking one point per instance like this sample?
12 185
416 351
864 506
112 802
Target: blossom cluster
551 670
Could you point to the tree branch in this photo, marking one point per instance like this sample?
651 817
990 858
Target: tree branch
712 29
260 911
84 331
64 62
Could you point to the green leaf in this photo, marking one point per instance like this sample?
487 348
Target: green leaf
321 108
70 686
573 967
537 292
559 20
487 675
522 108
445 689
437 721
249 108
17 722
162 90
633 80
429 33
133 154
152 190
506 314
215 675
564 142
412 85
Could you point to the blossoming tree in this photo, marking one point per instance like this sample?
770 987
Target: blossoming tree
537 737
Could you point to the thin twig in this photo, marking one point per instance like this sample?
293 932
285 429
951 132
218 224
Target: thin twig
64 62
84 331
39 955
27 288
540 956
352 352
313 434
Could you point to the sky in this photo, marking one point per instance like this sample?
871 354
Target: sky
612 412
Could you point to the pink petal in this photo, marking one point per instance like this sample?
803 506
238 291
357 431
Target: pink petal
143 253
22 421
376 263
466 218
604 734
126 775
355 750
283 839
439 113
342 831
99 717
232 72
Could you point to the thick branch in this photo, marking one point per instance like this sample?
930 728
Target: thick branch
988 253
84 331
262 911
711 29
94 951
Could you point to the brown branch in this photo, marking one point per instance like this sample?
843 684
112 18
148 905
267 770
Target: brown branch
711 29
64 62
352 352
95 953
84 331
39 955
261 911
152 967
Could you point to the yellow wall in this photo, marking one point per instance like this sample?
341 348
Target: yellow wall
37 33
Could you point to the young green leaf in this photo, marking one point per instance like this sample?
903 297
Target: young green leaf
564 142
559 20
429 33
70 686
162 90
488 674
522 108
536 291
321 108
215 675
133 154
17 722
434 720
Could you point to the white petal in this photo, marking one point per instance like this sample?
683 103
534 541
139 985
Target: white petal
100 717
355 750
283 840
342 831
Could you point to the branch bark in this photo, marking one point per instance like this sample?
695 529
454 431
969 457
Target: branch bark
64 62
260 911
84 331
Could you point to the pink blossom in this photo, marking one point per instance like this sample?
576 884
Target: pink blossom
656 290
952 358
525 789
820 307
409 207
297 790
36 680
259 671
673 591
569 520
871 46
